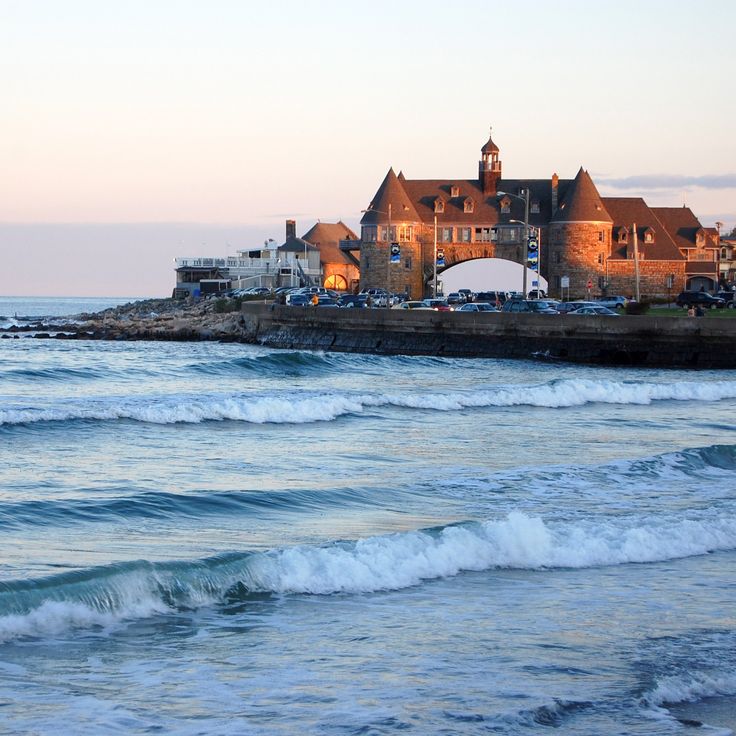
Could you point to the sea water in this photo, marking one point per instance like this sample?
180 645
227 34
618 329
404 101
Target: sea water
227 539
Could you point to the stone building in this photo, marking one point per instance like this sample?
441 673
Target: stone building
340 269
594 244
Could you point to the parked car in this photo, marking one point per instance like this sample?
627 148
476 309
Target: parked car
728 297
467 293
699 299
324 300
353 301
411 305
455 297
492 297
613 302
537 294
439 305
297 300
529 305
567 307
601 311
477 307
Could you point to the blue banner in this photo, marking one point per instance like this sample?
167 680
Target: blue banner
440 257
532 253
395 253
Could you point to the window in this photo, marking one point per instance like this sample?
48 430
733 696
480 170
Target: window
337 282
649 236
509 234
439 205
505 205
468 205
535 208
385 235
557 256
406 233
600 258
602 236
369 233
454 191
407 262
463 234
623 235
483 235
446 234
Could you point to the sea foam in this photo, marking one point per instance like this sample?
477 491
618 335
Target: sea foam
304 407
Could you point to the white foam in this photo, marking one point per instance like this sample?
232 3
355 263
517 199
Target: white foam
303 408
692 687
402 560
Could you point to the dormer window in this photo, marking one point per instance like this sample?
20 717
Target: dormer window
468 205
699 238
623 235
439 205
535 208
454 190
649 235
506 205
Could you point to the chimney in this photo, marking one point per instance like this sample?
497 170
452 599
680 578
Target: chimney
555 182
290 229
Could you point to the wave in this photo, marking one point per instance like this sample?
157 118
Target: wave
286 362
307 407
691 687
162 505
53 374
103 597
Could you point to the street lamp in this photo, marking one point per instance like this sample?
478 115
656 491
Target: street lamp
388 251
531 228
434 290
525 200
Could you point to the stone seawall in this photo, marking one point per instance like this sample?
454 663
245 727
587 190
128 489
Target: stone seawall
626 340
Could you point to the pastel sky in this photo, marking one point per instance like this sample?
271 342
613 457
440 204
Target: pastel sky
137 131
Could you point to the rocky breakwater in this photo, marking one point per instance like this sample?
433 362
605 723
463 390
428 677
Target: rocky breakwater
152 319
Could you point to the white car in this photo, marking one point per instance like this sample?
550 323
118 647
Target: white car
412 305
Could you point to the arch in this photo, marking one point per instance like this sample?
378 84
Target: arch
337 282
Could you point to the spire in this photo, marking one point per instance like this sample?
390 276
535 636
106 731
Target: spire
490 146
391 192
582 203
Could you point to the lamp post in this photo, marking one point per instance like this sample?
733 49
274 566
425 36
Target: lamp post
434 290
525 200
388 251
530 229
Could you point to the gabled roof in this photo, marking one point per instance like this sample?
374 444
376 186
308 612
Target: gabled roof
681 224
582 203
327 236
626 211
391 192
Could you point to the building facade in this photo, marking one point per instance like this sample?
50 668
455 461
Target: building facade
588 244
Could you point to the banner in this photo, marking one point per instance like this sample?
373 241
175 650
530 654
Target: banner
440 257
395 253
532 253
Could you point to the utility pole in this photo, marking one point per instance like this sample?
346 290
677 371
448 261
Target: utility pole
636 264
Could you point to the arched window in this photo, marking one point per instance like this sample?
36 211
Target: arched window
336 282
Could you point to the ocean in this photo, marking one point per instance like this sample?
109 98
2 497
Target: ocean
203 538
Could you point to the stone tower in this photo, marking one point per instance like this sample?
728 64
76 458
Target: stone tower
489 168
579 239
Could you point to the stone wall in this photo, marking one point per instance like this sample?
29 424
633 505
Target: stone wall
636 341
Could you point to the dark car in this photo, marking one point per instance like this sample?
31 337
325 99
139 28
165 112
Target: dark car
493 297
353 300
699 299
728 297
532 306
477 307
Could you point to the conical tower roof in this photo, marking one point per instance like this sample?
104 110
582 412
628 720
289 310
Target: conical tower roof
391 192
490 146
582 202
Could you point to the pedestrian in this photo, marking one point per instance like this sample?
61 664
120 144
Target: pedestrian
315 300
369 302
691 311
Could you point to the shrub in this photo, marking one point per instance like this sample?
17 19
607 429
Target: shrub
637 307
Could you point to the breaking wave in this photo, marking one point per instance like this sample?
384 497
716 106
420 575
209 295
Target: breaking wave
307 407
108 596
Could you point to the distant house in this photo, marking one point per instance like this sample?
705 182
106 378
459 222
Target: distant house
340 270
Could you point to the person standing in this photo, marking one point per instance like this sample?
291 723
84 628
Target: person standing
315 300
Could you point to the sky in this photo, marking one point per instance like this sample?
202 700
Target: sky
134 132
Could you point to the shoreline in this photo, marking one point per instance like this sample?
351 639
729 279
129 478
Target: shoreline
641 340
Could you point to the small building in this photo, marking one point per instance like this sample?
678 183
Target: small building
340 269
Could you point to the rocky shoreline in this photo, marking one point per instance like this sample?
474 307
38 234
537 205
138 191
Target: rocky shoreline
151 319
